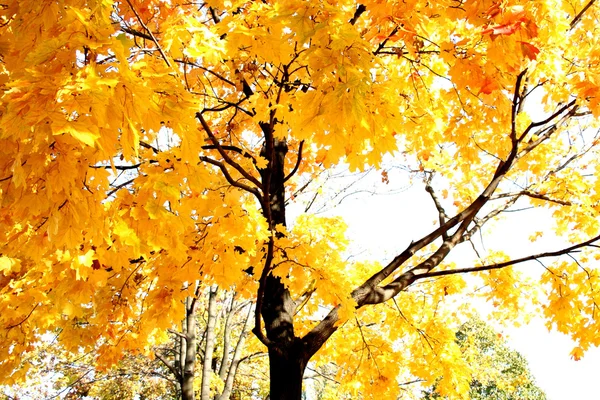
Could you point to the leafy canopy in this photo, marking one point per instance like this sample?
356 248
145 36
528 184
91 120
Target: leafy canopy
130 166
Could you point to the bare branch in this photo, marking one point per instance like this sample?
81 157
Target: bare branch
532 125
135 33
122 185
516 105
177 333
580 15
565 251
534 195
359 11
169 365
298 160
438 205
24 319
117 167
224 154
148 146
229 178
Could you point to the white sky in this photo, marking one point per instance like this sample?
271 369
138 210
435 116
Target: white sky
381 226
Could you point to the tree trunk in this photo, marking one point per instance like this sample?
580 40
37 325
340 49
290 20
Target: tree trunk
235 361
286 369
287 355
189 356
210 344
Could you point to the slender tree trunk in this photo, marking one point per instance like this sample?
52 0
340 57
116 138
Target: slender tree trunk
189 356
226 339
235 361
210 344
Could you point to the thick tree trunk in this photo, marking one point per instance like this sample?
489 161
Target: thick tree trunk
286 369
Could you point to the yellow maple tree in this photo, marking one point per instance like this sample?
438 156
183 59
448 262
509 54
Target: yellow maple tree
146 145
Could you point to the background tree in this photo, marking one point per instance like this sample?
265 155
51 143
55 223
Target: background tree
230 375
57 374
104 225
499 373
206 354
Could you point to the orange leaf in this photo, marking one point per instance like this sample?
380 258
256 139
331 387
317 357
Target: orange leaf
488 86
506 29
529 50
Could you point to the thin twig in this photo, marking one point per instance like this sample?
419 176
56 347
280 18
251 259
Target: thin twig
139 18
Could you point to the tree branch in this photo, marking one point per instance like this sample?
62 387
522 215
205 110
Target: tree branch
169 365
24 319
122 185
359 11
516 105
224 154
231 148
438 205
580 15
533 257
535 195
139 34
117 167
544 122
160 50
371 293
298 160
229 178
176 333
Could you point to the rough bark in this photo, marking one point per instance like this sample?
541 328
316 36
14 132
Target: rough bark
287 354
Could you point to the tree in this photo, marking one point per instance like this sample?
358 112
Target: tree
149 144
219 349
500 372
57 373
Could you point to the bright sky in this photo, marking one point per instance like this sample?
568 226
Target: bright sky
383 225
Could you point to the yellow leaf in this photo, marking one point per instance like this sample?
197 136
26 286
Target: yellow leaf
8 265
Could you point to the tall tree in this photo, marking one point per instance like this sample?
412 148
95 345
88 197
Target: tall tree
147 144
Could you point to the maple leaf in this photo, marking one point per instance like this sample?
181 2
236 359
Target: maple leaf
506 29
488 85
529 50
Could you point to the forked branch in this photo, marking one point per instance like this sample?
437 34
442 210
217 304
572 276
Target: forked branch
224 154
370 292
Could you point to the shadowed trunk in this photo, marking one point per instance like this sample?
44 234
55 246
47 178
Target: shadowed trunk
287 358
287 353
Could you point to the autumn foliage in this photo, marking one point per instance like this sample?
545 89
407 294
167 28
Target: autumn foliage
147 145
